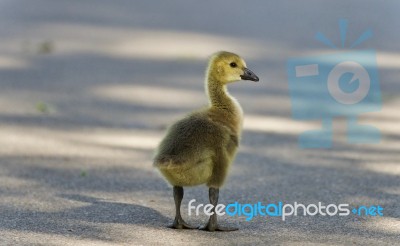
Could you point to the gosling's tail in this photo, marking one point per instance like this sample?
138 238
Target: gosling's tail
167 162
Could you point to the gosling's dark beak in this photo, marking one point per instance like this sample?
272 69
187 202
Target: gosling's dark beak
249 75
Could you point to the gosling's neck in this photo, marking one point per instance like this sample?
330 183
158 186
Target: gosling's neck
218 95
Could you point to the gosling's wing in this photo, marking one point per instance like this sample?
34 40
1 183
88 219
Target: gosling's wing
190 140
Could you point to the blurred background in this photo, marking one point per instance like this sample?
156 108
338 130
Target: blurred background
88 87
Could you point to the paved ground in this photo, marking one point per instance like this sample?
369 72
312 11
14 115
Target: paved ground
88 87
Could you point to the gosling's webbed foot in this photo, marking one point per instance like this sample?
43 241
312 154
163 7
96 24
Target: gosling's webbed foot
216 227
181 224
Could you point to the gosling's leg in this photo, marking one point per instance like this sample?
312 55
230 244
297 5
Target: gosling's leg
179 223
212 224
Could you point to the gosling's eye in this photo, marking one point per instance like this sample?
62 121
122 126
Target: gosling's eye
233 64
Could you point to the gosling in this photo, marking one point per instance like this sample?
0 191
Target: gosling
200 148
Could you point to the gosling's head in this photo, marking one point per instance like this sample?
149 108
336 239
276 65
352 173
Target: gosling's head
227 67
